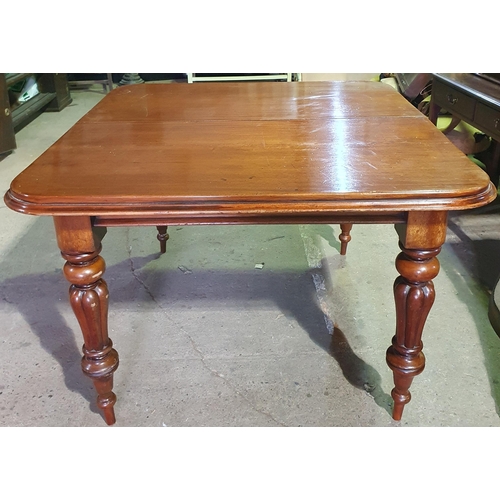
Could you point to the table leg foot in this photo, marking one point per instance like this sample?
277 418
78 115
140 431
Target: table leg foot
414 296
162 237
345 237
401 396
100 366
106 399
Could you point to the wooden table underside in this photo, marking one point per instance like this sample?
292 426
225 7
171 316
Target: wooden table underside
251 153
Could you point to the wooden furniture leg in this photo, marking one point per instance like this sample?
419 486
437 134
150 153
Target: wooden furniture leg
452 125
420 242
345 237
162 237
434 110
493 162
80 247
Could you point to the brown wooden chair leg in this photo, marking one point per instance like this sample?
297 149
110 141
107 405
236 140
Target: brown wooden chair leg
345 237
162 236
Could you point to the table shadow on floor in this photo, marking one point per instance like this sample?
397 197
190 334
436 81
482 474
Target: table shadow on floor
293 293
38 297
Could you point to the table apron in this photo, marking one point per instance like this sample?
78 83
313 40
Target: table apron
340 218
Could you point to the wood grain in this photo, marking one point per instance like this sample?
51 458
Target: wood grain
241 148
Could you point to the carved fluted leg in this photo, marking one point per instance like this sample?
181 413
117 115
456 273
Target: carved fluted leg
162 236
344 237
420 241
89 299
414 296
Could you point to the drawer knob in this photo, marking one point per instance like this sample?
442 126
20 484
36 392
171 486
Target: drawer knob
451 99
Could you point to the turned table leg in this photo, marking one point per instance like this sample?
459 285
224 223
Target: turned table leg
344 237
162 237
420 242
88 294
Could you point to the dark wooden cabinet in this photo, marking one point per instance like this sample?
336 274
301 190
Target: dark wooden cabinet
53 95
474 98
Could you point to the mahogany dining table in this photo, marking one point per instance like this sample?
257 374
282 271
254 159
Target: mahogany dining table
251 153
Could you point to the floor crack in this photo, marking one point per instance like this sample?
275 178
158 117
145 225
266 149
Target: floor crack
192 342
134 274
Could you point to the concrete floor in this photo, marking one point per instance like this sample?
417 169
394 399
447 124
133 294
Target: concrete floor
205 339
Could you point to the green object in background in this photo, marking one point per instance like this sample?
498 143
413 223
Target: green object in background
479 163
18 86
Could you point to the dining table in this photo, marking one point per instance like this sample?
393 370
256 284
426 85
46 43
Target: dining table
173 154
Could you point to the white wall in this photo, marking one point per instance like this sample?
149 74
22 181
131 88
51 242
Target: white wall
322 77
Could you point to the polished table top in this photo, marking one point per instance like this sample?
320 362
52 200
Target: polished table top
253 146
251 153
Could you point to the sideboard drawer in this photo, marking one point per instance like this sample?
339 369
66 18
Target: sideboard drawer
453 100
488 119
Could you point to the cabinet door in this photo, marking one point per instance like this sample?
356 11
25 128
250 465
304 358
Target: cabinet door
7 136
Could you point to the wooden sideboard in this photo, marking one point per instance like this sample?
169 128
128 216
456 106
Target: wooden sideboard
475 99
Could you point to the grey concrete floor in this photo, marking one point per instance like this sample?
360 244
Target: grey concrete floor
206 339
